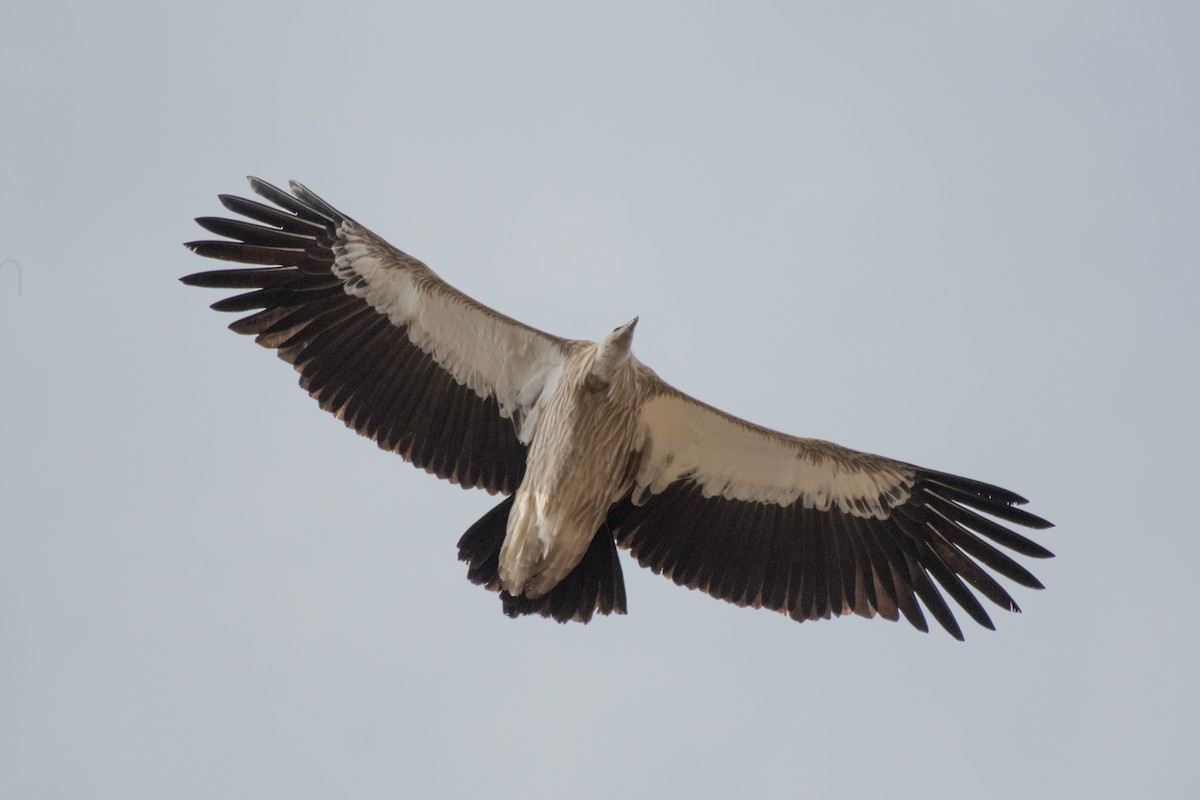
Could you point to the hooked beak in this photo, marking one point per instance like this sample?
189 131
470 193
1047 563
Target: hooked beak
625 332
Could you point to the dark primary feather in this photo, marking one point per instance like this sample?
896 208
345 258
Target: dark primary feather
351 359
813 564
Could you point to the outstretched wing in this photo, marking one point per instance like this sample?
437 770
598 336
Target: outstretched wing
380 340
812 529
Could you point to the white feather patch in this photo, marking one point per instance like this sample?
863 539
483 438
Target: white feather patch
488 354
729 458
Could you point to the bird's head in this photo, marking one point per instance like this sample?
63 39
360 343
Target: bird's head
612 353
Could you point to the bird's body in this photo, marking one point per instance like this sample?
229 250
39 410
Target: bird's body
578 467
594 450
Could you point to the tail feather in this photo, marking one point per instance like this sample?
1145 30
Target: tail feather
595 585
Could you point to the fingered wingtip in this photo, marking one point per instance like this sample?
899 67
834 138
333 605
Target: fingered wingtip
261 187
304 193
1036 522
258 185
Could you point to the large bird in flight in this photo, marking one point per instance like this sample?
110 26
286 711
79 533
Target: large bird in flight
592 450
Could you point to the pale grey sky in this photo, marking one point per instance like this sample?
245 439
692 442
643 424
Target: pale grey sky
967 236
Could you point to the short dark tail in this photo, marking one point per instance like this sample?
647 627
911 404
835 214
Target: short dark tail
595 585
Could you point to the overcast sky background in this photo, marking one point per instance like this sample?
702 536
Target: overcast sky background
962 236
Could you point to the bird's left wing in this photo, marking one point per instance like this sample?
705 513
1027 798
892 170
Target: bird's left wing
380 340
810 528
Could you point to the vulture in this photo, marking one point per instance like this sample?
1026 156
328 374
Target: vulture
592 451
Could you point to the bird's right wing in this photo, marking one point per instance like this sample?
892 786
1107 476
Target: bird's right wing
381 341
810 528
